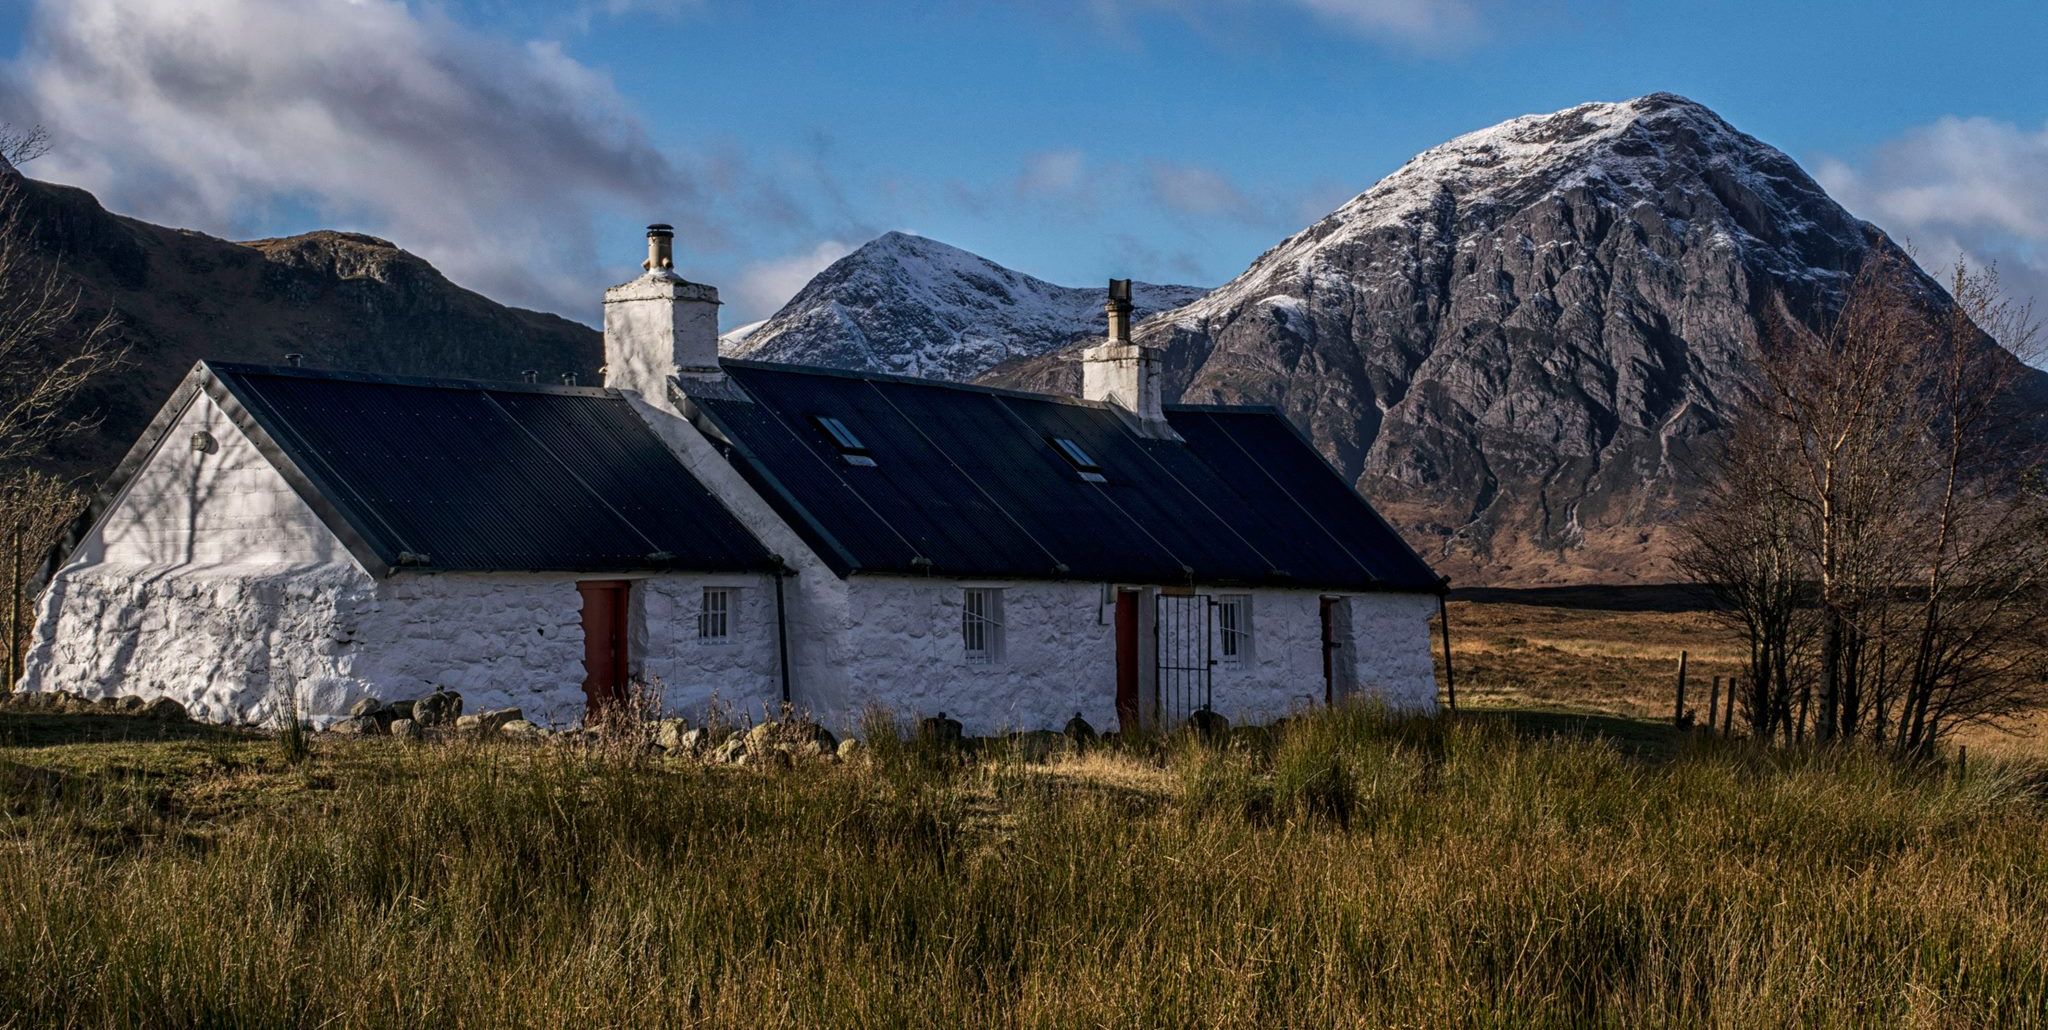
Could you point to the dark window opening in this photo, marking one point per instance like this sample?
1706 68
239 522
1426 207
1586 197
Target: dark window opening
1078 458
849 445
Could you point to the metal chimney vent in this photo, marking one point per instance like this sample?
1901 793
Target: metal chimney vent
531 375
295 360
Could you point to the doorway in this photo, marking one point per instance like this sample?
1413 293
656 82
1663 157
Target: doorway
606 665
1128 717
1183 656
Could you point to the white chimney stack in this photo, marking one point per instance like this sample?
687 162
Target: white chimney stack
659 325
1124 373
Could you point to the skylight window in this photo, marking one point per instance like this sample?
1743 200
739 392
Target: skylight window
1078 458
849 445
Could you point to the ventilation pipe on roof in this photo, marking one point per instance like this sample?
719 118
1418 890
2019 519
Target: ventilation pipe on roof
659 325
1125 373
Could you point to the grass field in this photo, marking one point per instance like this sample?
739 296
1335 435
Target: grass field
1540 860
1615 651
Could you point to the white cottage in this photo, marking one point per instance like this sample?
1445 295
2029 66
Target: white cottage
736 530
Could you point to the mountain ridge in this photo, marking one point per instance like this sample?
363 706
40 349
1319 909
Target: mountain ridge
1516 343
908 305
343 300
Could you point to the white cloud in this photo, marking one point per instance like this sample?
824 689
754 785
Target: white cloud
762 288
1423 25
1421 22
1958 186
484 156
1197 190
1051 173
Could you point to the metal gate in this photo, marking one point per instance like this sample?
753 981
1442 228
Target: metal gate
1182 657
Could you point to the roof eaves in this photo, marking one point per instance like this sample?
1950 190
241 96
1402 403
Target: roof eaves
1443 583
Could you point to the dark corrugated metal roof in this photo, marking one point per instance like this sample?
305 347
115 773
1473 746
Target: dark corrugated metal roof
966 481
457 475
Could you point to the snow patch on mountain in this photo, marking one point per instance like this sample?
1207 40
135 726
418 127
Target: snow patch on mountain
908 305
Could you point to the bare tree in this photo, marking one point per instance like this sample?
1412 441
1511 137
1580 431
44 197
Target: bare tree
50 349
1874 524
35 511
50 346
20 146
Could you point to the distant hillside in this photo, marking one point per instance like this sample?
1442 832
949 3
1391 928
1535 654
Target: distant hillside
341 299
912 306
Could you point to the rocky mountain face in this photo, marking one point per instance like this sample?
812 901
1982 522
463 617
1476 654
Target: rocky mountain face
342 300
1516 343
907 305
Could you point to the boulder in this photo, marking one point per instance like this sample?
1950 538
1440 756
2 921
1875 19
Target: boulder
366 706
691 741
132 704
164 709
730 752
940 728
669 733
490 722
1078 730
109 704
850 749
520 729
440 708
399 709
356 726
1037 745
1207 723
405 729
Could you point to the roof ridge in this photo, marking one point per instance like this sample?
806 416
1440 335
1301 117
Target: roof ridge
422 382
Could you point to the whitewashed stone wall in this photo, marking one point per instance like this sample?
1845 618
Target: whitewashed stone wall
1383 652
901 648
229 506
227 641
740 676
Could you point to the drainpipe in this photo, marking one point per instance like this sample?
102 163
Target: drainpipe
782 629
1443 615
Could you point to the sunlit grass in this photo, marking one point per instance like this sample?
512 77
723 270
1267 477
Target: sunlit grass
1347 869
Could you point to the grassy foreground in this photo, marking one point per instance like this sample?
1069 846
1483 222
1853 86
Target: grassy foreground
1348 870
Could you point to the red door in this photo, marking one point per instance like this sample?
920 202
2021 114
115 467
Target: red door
604 642
1127 661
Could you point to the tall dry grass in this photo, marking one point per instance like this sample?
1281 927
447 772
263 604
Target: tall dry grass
1350 869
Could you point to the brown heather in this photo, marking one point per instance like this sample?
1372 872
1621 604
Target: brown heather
1348 870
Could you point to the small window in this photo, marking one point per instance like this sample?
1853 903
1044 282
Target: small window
714 618
849 445
981 625
1078 458
1234 626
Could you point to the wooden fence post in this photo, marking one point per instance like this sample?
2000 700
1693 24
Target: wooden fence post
1678 711
15 666
1728 716
1714 707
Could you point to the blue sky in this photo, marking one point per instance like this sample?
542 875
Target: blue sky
520 145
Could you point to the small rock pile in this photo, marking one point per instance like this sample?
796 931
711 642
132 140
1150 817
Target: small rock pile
437 714
64 702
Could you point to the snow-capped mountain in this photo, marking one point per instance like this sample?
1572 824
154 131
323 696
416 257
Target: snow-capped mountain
1512 343
913 306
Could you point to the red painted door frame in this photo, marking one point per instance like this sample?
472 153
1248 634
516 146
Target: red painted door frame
606 665
1127 711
